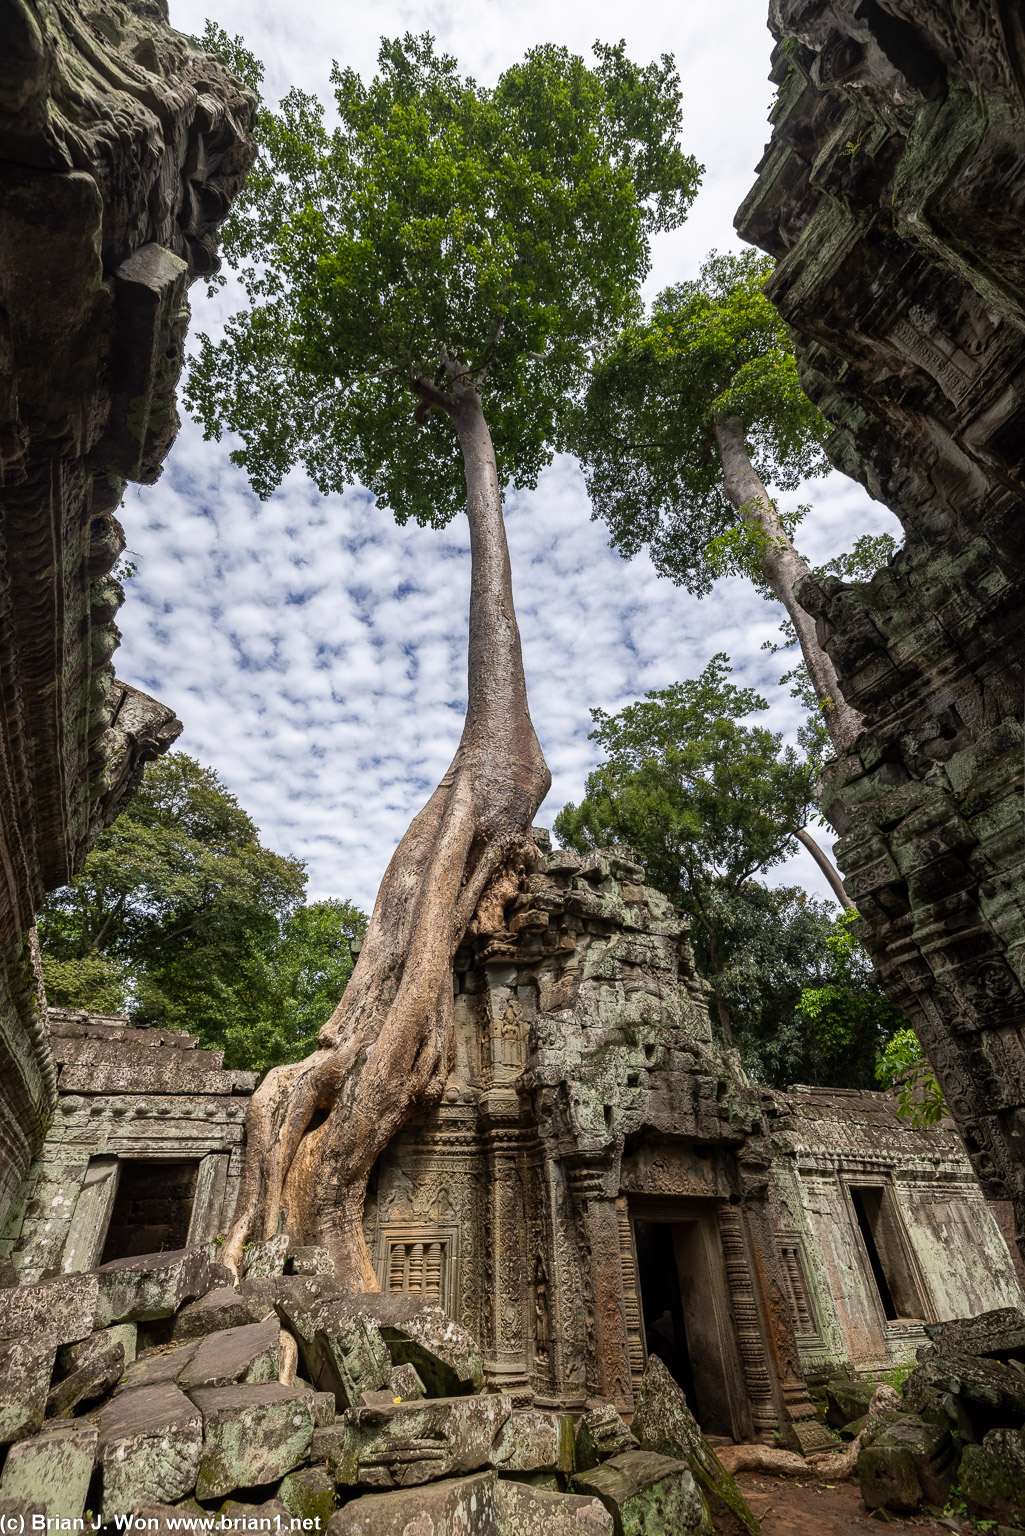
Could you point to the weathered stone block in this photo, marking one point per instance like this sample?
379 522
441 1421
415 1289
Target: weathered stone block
847 1399
150 1286
663 1423
251 1353
982 1389
264 1260
223 1308
158 1367
65 1307
534 1440
53 1469
907 1462
251 1435
342 1349
97 1364
410 1443
310 1261
992 1476
472 1506
1000 1334
446 1356
526 1511
25 1367
323 1409
645 1493
405 1382
309 1494
150 1444
601 1434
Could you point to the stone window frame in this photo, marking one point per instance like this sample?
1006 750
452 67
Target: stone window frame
850 1179
808 1338
426 1233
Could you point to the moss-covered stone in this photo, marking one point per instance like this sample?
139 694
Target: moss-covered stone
992 1476
663 1423
648 1495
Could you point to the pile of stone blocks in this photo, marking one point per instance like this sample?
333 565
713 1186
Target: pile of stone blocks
161 1387
961 1431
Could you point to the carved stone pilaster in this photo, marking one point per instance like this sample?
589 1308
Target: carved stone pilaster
609 1358
508 1280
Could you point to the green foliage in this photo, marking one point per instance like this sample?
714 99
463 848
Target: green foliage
709 802
183 917
442 231
703 797
903 1066
849 1016
711 349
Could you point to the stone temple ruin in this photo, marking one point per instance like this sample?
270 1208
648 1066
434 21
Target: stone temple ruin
606 1251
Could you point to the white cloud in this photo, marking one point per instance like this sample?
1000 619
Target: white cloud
314 650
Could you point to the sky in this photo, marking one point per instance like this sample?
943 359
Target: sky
315 651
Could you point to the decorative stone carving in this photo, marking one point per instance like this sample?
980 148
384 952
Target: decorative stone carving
121 148
891 196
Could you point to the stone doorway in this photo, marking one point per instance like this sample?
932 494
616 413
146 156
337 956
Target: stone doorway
685 1314
152 1209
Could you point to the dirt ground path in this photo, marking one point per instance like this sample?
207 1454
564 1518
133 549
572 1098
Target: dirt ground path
787 1507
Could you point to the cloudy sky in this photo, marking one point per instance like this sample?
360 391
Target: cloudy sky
315 651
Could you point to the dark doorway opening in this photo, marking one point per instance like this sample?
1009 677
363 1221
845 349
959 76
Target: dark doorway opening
152 1209
686 1318
888 1259
665 1331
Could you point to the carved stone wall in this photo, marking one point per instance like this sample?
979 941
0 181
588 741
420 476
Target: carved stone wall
129 1099
121 147
587 1097
891 196
933 1250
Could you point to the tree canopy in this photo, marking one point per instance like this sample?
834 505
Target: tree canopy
442 230
711 349
184 918
710 801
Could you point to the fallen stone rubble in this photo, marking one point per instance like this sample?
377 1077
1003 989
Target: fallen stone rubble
958 1435
158 1389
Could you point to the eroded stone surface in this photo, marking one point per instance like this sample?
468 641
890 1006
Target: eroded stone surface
649 1494
66 1307
250 1353
663 1423
149 1444
992 1476
309 1494
53 1469
251 1435
410 1443
26 1364
908 1462
150 1286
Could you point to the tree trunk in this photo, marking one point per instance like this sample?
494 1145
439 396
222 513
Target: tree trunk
782 568
316 1128
828 868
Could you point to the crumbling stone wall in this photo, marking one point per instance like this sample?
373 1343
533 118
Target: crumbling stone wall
937 1241
587 1082
891 196
121 148
130 1101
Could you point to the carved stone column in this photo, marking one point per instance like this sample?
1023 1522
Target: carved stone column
508 1283
609 1350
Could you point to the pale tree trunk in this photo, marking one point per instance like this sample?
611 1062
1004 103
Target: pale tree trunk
782 568
827 867
315 1129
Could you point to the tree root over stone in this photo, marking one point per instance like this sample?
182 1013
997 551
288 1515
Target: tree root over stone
824 1466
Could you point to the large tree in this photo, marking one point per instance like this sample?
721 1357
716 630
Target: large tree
693 417
427 279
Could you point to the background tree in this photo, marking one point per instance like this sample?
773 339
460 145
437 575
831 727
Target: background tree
427 280
690 417
709 802
182 916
